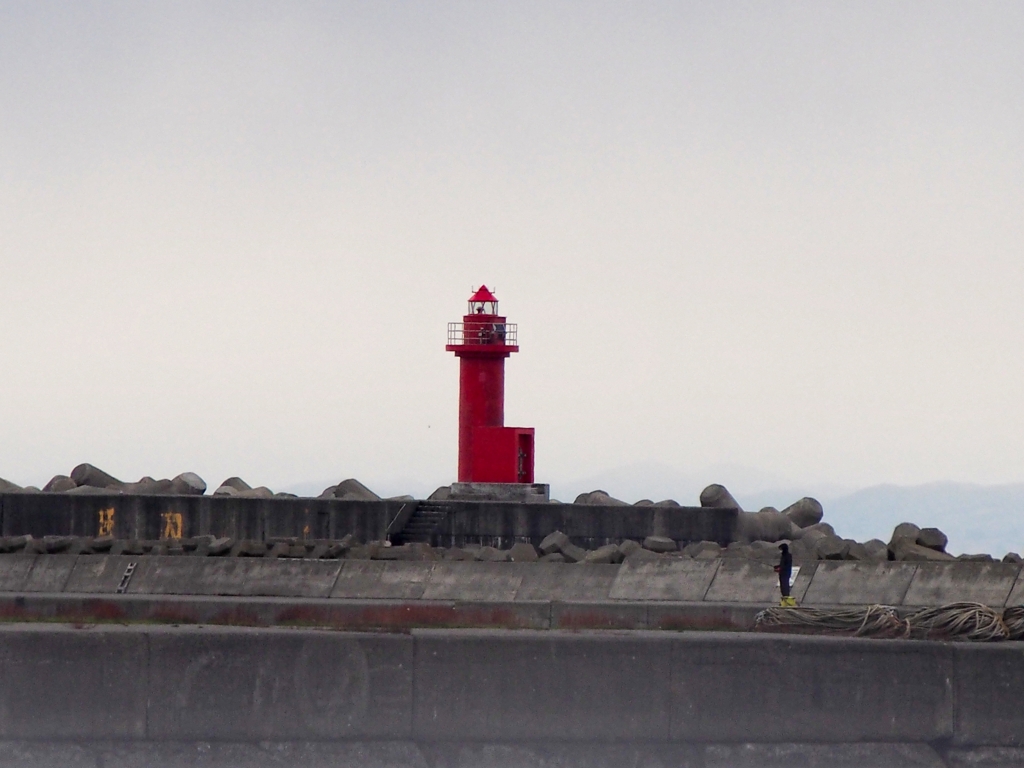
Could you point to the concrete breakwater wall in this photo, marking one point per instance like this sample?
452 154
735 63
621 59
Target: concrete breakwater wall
685 580
432 697
150 517
678 593
587 525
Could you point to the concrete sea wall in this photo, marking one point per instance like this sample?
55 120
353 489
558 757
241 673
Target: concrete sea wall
683 580
129 516
132 516
433 698
588 526
673 593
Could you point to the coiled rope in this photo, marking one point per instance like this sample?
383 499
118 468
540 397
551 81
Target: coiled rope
1013 619
867 621
956 621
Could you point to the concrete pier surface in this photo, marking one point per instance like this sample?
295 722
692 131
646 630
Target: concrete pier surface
683 593
718 580
149 695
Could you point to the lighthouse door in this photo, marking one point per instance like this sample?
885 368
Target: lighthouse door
524 464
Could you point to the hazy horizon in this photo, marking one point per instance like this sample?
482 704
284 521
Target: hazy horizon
782 237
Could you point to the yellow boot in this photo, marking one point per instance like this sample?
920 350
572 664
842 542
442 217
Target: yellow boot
788 602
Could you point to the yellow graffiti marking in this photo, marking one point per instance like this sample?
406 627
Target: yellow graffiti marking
106 526
172 525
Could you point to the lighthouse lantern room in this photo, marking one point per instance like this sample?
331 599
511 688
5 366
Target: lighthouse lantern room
489 452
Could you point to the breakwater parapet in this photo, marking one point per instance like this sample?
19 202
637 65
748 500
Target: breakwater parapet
174 517
668 593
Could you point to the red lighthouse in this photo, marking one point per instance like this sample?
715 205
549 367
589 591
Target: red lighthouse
489 452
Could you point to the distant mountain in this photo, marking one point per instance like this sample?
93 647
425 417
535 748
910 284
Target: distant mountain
976 518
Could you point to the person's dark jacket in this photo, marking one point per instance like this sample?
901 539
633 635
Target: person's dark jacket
785 566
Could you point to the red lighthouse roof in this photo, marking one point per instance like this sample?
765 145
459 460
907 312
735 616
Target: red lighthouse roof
483 294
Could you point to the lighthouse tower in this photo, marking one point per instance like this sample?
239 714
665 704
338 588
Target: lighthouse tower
489 452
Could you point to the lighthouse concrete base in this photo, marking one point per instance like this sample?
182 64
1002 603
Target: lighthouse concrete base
520 492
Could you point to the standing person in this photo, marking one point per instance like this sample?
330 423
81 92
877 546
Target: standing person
785 571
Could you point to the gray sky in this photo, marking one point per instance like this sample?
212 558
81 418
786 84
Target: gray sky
782 236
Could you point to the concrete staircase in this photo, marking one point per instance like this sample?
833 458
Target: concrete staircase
423 523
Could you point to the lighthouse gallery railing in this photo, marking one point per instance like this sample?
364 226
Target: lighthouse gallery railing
483 332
